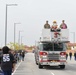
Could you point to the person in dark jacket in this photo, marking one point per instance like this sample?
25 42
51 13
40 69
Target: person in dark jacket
70 54
23 55
75 55
66 56
7 61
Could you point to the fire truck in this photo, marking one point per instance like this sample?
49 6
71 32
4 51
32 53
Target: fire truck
51 48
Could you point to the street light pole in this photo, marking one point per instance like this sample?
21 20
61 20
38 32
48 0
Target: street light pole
19 39
6 21
6 26
15 33
73 36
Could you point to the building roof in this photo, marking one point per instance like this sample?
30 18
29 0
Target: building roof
71 44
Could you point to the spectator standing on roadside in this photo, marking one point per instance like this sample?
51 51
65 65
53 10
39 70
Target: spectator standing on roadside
70 54
20 56
7 61
66 56
0 56
75 55
23 55
15 56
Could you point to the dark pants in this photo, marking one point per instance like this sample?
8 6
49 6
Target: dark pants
75 58
8 72
70 57
22 58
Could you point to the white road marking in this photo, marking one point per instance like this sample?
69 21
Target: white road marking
52 73
16 68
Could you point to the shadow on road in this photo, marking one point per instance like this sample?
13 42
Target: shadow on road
67 68
52 68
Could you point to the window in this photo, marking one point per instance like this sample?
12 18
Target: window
47 47
52 46
58 46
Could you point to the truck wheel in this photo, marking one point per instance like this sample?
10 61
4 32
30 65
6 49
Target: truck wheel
62 66
40 66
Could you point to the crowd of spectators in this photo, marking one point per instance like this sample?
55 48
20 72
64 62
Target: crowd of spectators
70 54
9 58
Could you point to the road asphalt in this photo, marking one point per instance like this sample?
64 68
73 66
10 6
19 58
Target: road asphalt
28 67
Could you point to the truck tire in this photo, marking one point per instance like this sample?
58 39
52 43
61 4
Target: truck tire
62 66
40 66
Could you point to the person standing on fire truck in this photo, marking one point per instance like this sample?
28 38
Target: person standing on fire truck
47 26
63 25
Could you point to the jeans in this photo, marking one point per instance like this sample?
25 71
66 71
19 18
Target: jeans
8 72
75 58
22 58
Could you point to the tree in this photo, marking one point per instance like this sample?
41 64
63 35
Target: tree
16 45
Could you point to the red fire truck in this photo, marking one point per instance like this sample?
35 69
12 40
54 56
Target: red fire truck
51 48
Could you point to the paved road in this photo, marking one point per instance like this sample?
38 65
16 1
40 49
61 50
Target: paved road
28 67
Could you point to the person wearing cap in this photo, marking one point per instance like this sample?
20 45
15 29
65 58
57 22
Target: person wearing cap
54 26
7 61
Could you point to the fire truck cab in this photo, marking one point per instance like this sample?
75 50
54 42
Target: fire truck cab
51 48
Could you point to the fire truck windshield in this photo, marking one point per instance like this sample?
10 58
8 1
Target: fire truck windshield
58 46
53 46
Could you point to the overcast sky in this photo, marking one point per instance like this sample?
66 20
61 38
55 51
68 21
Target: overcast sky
32 14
